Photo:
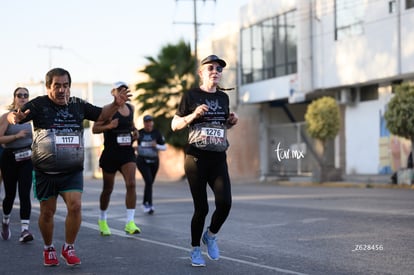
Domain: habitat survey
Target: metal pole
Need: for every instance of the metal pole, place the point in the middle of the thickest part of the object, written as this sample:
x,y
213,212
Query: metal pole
x,y
195,30
195,42
195,23
50,48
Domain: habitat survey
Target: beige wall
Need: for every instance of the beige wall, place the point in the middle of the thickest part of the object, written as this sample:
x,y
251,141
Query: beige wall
x,y
171,164
243,154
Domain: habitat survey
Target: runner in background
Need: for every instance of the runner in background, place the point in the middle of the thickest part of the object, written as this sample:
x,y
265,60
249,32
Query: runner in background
x,y
150,141
118,155
16,167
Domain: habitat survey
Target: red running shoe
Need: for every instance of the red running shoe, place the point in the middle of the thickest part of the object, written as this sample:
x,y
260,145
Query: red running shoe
x,y
69,256
50,257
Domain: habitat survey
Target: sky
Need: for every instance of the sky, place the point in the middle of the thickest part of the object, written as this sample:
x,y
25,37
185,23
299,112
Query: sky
x,y
98,40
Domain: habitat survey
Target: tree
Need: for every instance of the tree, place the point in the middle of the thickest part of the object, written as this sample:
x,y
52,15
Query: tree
x,y
169,76
399,114
322,123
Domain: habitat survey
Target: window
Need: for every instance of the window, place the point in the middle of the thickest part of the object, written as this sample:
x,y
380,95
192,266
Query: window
x,y
348,18
280,47
246,57
291,46
392,6
269,29
409,4
269,48
369,92
257,52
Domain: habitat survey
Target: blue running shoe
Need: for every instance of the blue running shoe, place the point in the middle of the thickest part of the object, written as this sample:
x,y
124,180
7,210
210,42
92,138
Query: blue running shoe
x,y
212,248
196,257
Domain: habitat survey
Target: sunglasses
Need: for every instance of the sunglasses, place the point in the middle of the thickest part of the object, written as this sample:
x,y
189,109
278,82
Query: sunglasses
x,y
210,68
22,95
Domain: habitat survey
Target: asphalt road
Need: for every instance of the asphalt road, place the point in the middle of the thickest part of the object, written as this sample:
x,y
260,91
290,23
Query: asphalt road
x,y
271,229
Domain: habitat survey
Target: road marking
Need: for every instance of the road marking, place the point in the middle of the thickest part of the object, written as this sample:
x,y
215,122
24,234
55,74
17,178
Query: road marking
x,y
313,220
269,225
122,234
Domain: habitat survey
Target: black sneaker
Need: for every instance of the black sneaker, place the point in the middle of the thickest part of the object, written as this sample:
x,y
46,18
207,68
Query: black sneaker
x,y
26,236
5,231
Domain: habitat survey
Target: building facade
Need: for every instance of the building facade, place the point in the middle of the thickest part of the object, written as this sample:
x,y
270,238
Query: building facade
x,y
292,52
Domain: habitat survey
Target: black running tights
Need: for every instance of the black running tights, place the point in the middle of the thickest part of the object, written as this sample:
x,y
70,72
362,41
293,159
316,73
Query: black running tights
x,y
17,175
214,172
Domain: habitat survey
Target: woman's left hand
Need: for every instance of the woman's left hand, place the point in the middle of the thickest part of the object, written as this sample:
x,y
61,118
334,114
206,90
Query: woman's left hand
x,y
233,119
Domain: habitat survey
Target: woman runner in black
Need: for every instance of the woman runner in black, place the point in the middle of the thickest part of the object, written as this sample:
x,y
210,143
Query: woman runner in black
x,y
205,110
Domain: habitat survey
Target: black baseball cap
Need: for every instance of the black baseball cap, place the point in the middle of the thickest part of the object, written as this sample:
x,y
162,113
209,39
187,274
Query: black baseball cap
x,y
213,58
147,118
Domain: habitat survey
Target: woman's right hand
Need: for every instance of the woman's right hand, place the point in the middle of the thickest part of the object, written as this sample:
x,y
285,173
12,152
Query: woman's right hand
x,y
200,110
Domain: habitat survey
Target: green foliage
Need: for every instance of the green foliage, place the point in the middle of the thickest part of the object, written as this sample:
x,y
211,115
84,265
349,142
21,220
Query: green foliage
x,y
170,75
323,119
399,115
177,139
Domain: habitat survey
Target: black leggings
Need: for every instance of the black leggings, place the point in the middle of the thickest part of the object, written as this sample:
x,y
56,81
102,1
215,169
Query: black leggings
x,y
148,171
199,172
17,175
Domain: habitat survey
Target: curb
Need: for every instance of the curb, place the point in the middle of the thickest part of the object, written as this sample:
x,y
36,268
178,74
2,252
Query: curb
x,y
342,184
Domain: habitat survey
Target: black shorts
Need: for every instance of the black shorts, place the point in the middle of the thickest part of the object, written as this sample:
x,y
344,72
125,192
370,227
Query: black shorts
x,y
51,185
112,161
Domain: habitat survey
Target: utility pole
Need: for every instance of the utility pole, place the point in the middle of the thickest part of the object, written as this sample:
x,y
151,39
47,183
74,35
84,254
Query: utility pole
x,y
50,48
196,25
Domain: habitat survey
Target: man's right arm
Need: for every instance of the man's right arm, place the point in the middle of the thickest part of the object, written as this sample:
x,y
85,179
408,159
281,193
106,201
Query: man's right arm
x,y
110,109
14,117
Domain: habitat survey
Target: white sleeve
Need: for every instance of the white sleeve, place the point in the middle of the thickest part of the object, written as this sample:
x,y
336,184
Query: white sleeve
x,y
161,147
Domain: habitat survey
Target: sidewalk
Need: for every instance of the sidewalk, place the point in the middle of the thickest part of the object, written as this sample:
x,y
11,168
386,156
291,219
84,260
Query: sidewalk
x,y
356,181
